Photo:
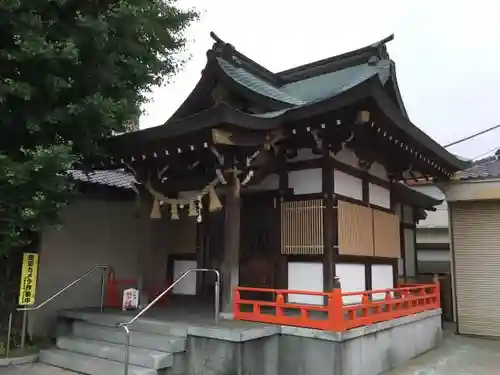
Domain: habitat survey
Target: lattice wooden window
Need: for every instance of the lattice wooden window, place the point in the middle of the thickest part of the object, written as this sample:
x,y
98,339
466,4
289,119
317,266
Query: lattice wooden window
x,y
386,234
302,227
355,229
367,232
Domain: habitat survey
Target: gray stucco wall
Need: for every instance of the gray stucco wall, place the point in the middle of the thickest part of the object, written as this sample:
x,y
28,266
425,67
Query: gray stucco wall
x,y
93,232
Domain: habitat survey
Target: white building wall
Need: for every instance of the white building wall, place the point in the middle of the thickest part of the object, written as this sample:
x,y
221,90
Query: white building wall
x,y
433,256
432,235
380,196
305,276
352,279
306,181
438,218
382,278
347,185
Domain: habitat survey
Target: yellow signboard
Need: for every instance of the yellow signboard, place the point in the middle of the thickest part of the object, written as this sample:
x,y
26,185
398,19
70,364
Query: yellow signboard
x,y
27,290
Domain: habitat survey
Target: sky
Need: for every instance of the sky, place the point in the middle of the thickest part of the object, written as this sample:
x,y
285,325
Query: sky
x,y
446,54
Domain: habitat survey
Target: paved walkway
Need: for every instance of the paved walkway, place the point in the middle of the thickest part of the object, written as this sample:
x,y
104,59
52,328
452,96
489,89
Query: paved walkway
x,y
457,356
34,369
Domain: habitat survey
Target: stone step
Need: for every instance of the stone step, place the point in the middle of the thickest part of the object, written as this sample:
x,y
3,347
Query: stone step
x,y
142,324
163,343
89,365
116,352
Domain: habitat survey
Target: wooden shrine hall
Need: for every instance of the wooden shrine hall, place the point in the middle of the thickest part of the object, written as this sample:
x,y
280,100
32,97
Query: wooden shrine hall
x,y
286,180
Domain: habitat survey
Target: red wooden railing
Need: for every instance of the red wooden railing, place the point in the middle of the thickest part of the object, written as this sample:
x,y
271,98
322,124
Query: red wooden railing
x,y
374,306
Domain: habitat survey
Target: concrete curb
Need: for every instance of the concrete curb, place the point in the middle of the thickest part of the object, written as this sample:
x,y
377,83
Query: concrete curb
x,y
4,362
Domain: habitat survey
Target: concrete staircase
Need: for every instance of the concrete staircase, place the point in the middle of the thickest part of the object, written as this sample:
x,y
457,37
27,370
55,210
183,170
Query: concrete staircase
x,y
97,348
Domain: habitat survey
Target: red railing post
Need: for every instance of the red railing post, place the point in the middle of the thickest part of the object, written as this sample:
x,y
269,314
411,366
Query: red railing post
x,y
236,305
336,308
280,301
438,291
365,303
388,298
112,293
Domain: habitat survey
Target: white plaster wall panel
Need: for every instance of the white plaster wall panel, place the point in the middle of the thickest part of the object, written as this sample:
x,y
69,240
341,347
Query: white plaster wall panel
x,y
352,279
348,157
382,278
378,170
271,182
380,196
187,286
305,276
306,181
345,184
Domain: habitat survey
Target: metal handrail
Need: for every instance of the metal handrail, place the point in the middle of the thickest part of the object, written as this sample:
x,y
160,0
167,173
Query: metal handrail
x,y
160,296
54,296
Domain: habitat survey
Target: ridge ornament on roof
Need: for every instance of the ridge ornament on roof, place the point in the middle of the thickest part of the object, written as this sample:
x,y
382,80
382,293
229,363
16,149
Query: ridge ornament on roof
x,y
316,98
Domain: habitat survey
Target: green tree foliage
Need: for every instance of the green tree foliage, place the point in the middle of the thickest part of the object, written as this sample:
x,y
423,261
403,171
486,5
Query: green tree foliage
x,y
71,73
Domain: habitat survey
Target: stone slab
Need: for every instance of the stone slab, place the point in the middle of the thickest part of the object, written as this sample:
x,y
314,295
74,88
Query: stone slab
x,y
4,362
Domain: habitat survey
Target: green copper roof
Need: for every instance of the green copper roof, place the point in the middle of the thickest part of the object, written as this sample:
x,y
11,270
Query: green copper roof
x,y
328,85
309,90
254,83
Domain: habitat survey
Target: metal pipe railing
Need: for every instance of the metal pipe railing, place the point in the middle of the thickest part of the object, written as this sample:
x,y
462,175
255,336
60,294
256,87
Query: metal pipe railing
x,y
25,310
159,297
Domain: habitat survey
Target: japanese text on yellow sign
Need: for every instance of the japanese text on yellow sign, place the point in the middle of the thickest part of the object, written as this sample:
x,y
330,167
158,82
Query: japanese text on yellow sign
x,y
28,279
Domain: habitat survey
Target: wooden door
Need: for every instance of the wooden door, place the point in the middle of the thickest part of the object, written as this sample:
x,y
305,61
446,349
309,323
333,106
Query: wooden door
x,y
259,242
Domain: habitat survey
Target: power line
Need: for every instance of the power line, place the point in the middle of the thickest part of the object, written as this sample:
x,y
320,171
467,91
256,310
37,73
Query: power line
x,y
472,136
485,153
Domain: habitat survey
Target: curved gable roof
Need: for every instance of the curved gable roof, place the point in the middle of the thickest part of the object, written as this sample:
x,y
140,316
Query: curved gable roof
x,y
298,86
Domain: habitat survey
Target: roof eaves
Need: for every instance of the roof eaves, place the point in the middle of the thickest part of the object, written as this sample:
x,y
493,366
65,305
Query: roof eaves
x,y
222,113
397,92
409,195
391,111
204,87
112,178
334,63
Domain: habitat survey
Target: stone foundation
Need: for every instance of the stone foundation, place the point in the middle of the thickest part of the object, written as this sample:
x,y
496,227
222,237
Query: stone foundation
x,y
298,351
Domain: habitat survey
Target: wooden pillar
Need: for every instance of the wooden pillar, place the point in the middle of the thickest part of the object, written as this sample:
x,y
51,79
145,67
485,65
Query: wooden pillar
x,y
281,264
145,261
230,263
330,226
365,191
200,258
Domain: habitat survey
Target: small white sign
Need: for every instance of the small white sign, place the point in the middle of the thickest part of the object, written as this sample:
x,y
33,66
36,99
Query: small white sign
x,y
130,299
